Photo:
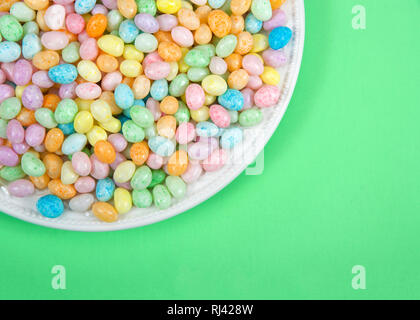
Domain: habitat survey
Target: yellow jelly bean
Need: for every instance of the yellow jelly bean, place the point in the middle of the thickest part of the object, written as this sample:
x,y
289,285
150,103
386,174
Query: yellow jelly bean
x,y
201,114
214,85
182,66
83,104
101,110
131,53
141,87
122,200
270,76
113,125
124,171
19,91
168,6
174,71
128,8
96,134
68,176
209,99
186,5
89,71
111,44
260,42
83,122
131,68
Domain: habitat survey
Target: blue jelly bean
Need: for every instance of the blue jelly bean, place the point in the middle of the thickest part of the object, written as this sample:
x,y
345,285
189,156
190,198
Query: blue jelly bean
x,y
124,97
67,128
31,45
105,189
74,143
279,37
232,99
128,31
231,137
84,6
139,102
64,73
159,89
9,51
252,24
50,206
161,146
206,129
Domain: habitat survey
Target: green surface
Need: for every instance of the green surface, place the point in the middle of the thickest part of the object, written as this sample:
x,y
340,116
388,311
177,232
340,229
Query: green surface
x,y
340,188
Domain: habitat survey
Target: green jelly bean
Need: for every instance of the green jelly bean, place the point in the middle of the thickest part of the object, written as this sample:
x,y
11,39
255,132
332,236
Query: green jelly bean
x,y
132,132
45,117
30,27
12,173
31,165
197,58
197,74
142,198
10,28
209,49
146,6
66,111
233,116
178,85
142,116
176,186
70,53
261,9
10,108
158,176
183,113
250,117
141,178
3,129
226,45
146,42
151,131
114,18
22,12
161,197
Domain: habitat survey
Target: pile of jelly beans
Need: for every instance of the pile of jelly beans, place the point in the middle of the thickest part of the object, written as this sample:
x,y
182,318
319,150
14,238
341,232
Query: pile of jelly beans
x,y
114,103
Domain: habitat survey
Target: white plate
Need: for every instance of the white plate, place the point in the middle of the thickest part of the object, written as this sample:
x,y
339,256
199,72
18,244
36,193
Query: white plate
x,y
209,183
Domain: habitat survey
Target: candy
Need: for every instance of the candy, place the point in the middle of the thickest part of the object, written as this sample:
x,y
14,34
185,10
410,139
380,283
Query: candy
x,y
105,189
9,51
81,163
81,203
146,42
21,188
74,143
63,73
250,117
279,37
31,165
142,198
122,200
104,211
261,9
8,157
10,28
267,96
50,206
53,164
31,45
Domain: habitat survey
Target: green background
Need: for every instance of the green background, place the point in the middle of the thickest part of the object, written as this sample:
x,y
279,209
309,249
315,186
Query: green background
x,y
340,188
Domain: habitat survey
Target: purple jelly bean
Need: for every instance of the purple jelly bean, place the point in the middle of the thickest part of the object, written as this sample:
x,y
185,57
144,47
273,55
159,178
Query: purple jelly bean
x,y
274,58
15,132
22,72
21,188
6,91
278,19
20,148
146,23
8,157
167,22
68,91
41,79
35,135
248,95
32,97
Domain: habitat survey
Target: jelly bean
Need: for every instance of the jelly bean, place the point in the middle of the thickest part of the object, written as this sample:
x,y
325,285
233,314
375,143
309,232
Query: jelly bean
x,y
254,82
157,70
201,114
267,96
168,6
68,91
231,137
124,171
142,198
89,71
10,108
22,12
248,95
54,40
74,143
89,49
279,37
159,89
9,51
54,140
178,86
68,176
188,19
141,178
250,117
169,51
45,117
220,116
252,24
141,116
96,25
214,85
275,4
88,91
161,146
12,173
81,202
30,27
10,28
182,36
206,129
31,45
21,188
70,53
104,211
55,17
132,132
185,133
128,31
226,45
118,142
99,170
274,58
139,153
75,23
197,58
167,22
195,96
66,111
192,173
261,9
277,20
32,97
32,166
53,164
81,163
203,34
178,163
111,44
63,73
50,206
218,66
252,64
35,135
105,189
8,157
146,42
84,6
122,200
239,7
238,79
270,76
20,148
215,161
169,105
161,197
176,186
104,151
219,23
124,97
201,150
166,126
61,190
146,23
232,99
197,74
238,24
154,161
158,176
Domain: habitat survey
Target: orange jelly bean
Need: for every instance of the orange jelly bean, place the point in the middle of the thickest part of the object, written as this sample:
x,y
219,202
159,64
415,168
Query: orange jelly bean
x,y
238,24
220,23
51,101
53,164
139,152
45,60
234,62
40,182
107,63
104,211
203,34
128,8
203,13
169,105
166,126
105,151
245,43
96,25
53,140
239,7
178,163
163,36
238,79
188,19
61,190
41,21
26,117
169,51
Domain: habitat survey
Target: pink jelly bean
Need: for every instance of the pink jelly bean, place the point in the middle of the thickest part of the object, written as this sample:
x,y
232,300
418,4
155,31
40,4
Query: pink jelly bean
x,y
150,58
267,96
55,17
35,135
85,184
42,80
8,157
32,97
185,133
154,161
215,161
252,64
67,91
83,36
21,188
153,106
195,96
75,23
110,4
278,19
6,91
99,170
146,23
254,82
119,158
157,70
274,58
20,148
22,72
248,95
89,49
217,65
199,150
2,77
81,163
220,116
54,40
182,36
99,9
212,142
7,68
88,91
192,173
15,132
111,80
118,142
167,22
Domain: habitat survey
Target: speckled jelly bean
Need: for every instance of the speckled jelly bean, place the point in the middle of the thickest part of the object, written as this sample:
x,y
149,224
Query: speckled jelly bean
x,y
74,143
50,206
232,99
105,189
9,51
21,188
63,74
267,96
279,37
32,166
81,202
